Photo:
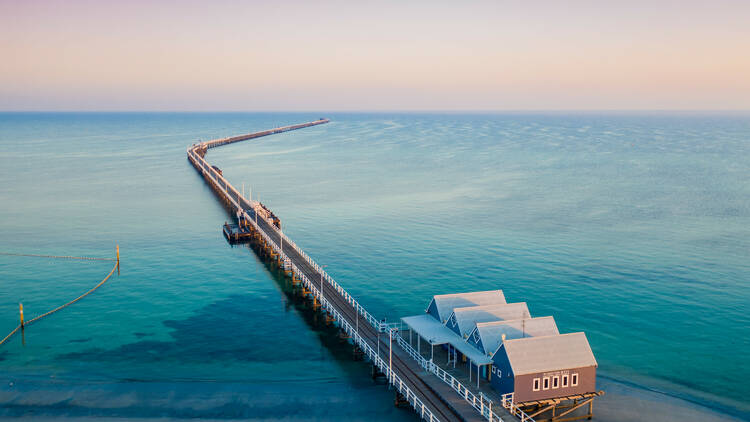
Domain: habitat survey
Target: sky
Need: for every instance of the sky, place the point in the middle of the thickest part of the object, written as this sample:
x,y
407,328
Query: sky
x,y
374,55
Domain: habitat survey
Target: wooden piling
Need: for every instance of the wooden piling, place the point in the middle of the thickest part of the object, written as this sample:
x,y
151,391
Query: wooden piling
x,y
358,353
399,400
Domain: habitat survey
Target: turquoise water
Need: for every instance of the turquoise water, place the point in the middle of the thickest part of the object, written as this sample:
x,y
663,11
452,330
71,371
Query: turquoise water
x,y
634,228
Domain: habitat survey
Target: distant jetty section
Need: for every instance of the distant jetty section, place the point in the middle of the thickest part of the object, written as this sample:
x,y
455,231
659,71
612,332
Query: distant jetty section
x,y
224,141
432,391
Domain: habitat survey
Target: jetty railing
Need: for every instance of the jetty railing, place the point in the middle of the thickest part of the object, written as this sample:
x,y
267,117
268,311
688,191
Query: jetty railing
x,y
372,354
480,403
509,403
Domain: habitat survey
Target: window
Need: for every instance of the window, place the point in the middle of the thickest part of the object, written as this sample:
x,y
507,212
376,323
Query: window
x,y
545,383
556,381
536,384
574,380
565,380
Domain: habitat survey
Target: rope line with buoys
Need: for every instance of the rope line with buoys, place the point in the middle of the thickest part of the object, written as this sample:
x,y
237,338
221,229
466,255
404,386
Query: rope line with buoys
x,y
33,320
10,335
57,256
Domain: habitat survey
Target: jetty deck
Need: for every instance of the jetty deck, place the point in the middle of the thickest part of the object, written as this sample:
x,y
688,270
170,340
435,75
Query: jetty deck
x,y
433,393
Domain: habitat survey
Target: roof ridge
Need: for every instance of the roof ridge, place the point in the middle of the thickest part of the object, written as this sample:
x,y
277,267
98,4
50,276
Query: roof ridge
x,y
469,308
545,337
466,293
508,321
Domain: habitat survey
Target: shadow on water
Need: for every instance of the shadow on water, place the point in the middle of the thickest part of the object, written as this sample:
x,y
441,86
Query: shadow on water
x,y
142,335
233,329
328,333
226,330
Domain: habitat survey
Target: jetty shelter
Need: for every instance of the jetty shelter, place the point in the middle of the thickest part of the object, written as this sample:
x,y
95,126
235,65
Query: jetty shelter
x,y
538,368
488,336
526,360
461,312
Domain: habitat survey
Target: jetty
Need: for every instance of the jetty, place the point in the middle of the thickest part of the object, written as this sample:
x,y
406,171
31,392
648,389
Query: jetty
x,y
431,390
434,398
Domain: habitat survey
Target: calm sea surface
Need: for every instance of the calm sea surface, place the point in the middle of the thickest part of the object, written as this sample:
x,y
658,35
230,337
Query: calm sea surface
x,y
634,228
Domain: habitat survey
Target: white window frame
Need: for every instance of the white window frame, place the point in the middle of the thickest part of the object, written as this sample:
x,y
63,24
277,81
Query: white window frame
x,y
536,384
565,380
556,381
545,383
574,380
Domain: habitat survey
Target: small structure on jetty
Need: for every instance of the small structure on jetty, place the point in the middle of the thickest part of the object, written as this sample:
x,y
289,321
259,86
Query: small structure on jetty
x,y
537,372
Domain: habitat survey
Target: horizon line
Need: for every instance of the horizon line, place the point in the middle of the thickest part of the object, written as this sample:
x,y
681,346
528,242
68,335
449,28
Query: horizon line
x,y
405,111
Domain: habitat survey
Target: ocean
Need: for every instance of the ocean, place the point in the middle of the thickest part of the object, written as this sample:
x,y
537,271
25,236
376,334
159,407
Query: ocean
x,y
632,227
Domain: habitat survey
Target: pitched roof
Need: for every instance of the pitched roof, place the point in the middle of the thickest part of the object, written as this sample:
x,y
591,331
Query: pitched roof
x,y
463,320
531,355
487,336
445,304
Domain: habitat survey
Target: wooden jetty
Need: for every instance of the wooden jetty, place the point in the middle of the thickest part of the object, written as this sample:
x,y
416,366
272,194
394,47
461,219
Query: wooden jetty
x,y
433,393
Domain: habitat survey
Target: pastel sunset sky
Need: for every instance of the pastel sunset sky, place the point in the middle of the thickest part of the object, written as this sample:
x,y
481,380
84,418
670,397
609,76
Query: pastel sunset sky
x,y
374,55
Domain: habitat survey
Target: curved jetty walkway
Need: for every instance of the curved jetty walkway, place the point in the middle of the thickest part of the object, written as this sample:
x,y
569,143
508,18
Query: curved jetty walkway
x,y
434,394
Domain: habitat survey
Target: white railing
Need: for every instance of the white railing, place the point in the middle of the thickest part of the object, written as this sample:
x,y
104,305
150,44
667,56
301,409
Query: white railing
x,y
481,403
508,403
382,365
235,197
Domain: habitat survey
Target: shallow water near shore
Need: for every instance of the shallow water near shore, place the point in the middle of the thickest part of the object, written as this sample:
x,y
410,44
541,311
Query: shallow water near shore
x,y
634,228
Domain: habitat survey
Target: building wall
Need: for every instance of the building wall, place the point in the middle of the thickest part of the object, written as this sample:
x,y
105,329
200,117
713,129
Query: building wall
x,y
524,384
476,340
478,344
502,378
432,310
452,323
